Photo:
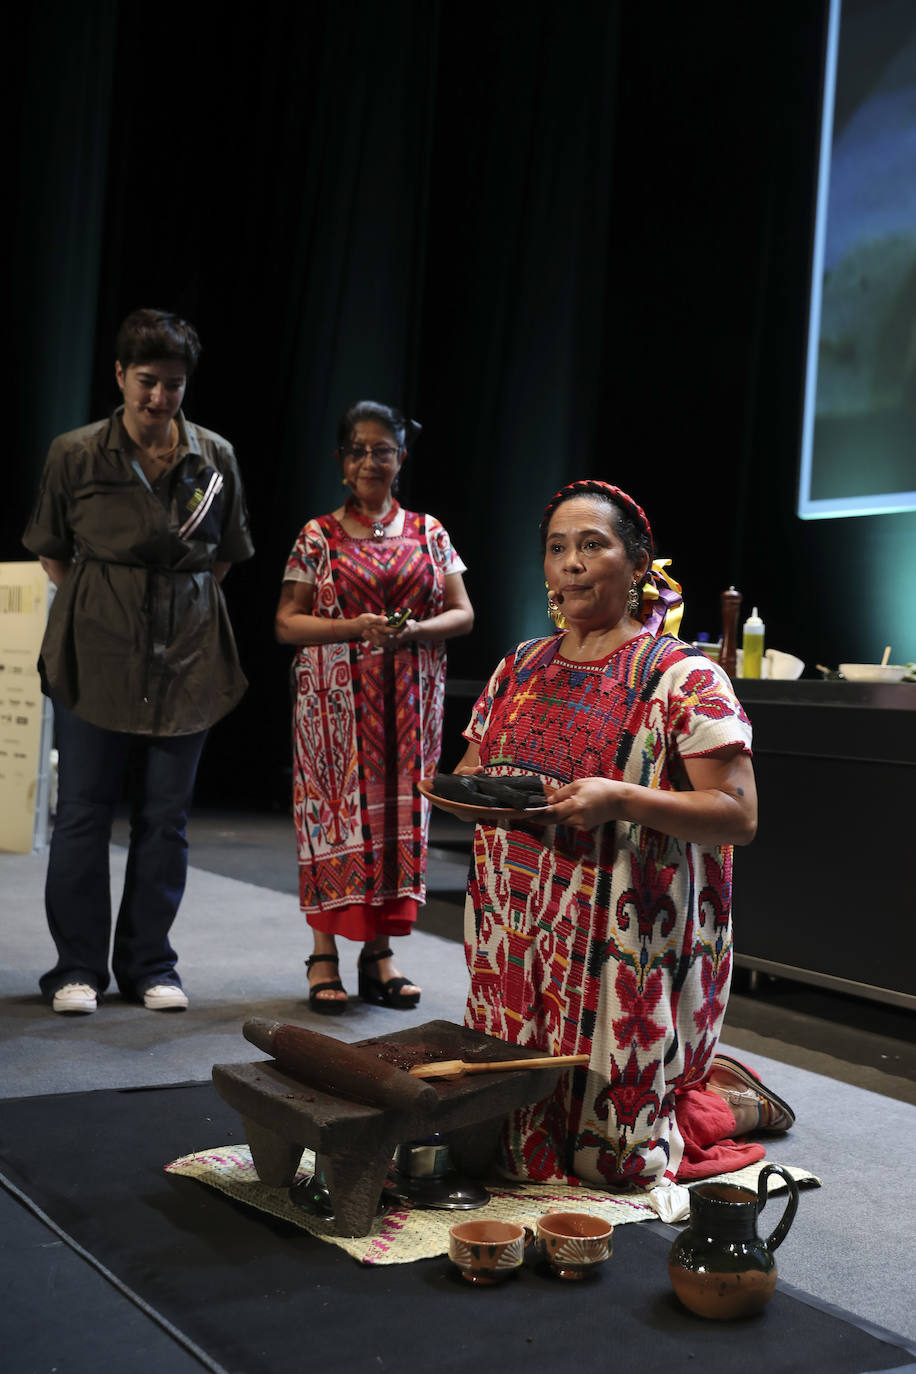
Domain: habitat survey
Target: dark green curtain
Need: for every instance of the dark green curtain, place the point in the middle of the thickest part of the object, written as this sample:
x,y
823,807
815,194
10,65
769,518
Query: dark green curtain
x,y
515,312
281,204
569,241
58,88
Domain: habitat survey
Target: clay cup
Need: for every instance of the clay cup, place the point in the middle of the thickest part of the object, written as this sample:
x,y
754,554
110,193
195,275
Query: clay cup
x,y
573,1243
487,1252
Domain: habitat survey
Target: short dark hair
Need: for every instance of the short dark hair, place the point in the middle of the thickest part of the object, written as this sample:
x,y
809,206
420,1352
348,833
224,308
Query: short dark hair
x,y
402,431
635,532
147,335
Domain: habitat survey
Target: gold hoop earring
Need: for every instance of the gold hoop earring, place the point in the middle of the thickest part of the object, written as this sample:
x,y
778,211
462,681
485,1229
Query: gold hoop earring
x,y
553,610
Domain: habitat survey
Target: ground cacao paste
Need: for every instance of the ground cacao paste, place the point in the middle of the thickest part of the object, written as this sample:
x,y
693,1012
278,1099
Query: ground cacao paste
x,y
407,1057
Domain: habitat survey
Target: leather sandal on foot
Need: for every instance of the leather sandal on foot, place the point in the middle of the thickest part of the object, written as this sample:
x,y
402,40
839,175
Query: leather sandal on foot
x,y
734,1082
380,994
326,1006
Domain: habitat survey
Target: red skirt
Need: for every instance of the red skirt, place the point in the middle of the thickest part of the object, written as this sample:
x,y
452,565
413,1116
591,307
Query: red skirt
x,y
362,922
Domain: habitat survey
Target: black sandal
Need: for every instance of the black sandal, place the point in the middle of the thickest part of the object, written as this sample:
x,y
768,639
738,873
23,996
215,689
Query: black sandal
x,y
381,994
326,1006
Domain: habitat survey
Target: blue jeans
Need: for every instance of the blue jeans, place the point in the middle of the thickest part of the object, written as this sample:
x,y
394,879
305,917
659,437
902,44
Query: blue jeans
x,y
160,773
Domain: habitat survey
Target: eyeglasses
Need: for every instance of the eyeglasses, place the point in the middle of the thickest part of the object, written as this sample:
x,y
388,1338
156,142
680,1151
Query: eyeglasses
x,y
382,453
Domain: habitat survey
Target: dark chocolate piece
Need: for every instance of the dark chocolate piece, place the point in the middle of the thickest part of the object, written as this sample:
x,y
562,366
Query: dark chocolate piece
x,y
515,792
458,788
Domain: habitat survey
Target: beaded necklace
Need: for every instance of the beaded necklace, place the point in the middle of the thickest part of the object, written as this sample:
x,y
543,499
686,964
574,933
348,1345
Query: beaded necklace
x,y
375,524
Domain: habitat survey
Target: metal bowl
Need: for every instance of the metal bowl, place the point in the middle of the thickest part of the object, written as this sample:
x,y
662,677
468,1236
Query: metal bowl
x,y
423,1159
421,1173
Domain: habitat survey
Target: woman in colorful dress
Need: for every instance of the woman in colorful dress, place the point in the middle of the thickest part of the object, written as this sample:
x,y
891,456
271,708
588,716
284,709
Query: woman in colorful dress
x,y
370,594
605,928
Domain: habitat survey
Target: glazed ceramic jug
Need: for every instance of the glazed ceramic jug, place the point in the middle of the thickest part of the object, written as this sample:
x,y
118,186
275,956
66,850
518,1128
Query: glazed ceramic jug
x,y
719,1267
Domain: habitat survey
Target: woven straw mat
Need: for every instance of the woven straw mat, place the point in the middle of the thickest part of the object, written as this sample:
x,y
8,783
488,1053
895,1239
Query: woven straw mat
x,y
407,1233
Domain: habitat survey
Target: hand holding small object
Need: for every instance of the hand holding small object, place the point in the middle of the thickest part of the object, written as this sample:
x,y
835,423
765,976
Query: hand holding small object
x,y
400,627
372,629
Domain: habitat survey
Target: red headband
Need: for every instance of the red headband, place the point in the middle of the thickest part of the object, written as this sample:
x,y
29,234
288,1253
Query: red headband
x,y
590,486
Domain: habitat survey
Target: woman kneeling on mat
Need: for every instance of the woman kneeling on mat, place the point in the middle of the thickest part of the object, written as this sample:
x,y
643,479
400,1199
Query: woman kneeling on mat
x,y
604,927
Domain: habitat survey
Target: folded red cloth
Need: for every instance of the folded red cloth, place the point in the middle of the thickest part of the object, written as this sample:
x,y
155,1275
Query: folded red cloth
x,y
705,1122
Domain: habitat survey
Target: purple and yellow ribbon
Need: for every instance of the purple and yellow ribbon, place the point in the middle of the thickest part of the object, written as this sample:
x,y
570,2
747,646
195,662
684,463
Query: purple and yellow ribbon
x,y
662,602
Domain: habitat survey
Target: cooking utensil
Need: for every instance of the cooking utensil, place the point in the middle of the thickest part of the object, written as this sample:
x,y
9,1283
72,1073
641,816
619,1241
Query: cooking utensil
x,y
450,1069
334,1067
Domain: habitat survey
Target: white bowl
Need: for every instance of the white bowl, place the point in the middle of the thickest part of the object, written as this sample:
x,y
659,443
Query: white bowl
x,y
784,666
873,672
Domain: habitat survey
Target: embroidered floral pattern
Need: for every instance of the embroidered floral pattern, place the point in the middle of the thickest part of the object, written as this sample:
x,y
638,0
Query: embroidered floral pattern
x,y
616,942
367,724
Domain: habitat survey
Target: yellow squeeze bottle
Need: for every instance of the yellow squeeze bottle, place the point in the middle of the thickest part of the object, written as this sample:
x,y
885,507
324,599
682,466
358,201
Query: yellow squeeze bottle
x,y
752,645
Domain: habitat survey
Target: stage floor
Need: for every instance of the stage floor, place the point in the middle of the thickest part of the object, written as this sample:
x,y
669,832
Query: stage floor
x,y
848,1073
246,1293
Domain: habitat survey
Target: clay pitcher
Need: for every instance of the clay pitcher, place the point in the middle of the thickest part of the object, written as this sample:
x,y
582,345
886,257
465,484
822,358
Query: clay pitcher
x,y
719,1267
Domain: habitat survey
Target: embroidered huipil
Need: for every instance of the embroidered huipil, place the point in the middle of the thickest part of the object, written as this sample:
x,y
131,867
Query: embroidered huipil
x,y
615,942
367,722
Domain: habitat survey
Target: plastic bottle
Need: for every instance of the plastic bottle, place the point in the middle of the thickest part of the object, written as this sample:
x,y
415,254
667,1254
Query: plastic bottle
x,y
752,644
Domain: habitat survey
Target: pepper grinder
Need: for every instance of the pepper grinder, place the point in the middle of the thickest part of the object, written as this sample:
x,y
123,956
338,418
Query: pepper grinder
x,y
728,655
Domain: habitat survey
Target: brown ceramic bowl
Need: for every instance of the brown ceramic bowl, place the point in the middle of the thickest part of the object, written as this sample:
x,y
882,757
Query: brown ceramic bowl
x,y
487,1251
573,1243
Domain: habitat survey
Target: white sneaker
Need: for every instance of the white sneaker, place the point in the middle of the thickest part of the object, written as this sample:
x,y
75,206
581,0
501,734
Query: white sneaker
x,y
165,997
79,998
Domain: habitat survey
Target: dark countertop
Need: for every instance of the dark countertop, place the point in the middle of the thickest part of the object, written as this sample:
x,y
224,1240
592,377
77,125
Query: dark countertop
x,y
872,722
842,720
885,696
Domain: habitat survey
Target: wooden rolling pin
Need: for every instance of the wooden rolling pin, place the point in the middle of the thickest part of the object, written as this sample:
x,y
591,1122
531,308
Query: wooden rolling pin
x,y
334,1067
458,1068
